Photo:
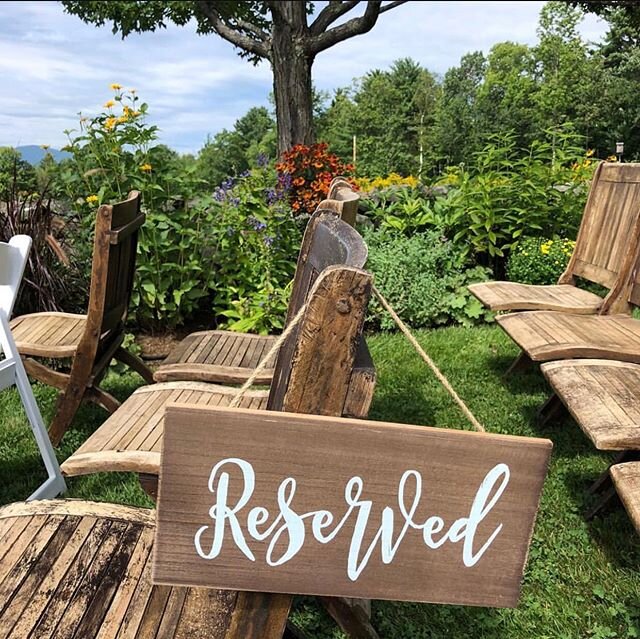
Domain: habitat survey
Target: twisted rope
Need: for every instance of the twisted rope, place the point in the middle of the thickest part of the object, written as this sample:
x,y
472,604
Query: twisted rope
x,y
436,371
401,325
265,360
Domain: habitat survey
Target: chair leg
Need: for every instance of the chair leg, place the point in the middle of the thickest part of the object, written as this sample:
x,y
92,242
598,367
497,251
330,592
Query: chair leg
x,y
552,409
66,408
102,398
351,618
607,499
135,363
520,364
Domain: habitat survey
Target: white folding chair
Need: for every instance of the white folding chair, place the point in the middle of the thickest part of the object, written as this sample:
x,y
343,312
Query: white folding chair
x,y
13,259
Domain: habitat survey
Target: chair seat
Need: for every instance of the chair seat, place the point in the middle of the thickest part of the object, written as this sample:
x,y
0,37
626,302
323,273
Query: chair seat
x,y
626,479
217,357
512,296
603,397
48,334
81,569
547,335
131,439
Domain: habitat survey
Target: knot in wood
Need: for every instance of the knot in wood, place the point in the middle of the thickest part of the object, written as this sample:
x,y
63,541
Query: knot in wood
x,y
343,306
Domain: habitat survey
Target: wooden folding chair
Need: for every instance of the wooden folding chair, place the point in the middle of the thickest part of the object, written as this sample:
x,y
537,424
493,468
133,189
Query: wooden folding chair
x,y
85,569
94,339
226,357
13,259
343,199
608,235
602,397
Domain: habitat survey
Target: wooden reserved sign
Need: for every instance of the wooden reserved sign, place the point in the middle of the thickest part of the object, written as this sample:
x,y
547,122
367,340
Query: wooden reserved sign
x,y
301,504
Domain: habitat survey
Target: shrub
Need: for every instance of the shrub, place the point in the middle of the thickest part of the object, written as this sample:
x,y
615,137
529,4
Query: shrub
x,y
254,242
424,277
506,196
379,183
111,155
538,260
306,172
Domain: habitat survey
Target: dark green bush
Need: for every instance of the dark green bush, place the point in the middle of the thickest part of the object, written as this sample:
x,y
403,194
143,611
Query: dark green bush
x,y
538,260
424,277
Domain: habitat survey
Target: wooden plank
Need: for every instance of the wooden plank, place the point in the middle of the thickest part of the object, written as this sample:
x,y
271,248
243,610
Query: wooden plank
x,y
626,479
326,457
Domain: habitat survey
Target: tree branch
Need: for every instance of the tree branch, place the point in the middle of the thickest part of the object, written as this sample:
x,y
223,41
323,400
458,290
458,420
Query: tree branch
x,y
330,14
392,5
353,27
244,42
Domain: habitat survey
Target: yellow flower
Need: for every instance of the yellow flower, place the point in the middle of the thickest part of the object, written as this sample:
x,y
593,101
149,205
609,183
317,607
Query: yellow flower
x,y
108,104
145,167
110,123
590,152
612,158
123,118
91,199
115,87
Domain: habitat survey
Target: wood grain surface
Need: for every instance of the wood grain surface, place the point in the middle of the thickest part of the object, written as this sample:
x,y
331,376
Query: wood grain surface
x,y
439,556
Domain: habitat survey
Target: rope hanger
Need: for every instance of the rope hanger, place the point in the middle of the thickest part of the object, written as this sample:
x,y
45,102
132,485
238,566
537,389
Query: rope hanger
x,y
406,332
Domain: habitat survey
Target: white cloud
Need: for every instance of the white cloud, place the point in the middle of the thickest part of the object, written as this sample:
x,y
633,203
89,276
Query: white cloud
x,y
52,65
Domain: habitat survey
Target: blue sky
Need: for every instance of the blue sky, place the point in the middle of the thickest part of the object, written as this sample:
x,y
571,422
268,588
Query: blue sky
x,y
52,65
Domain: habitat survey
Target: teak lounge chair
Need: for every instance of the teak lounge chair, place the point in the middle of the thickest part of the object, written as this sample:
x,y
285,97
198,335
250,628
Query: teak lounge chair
x,y
226,357
94,339
85,568
604,399
608,234
13,259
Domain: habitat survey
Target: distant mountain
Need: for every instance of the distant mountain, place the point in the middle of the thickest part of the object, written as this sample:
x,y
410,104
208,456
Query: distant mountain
x,y
33,154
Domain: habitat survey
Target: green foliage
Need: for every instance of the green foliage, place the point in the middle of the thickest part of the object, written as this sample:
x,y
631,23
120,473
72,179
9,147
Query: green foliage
x,y
16,175
507,195
424,277
537,260
254,242
233,152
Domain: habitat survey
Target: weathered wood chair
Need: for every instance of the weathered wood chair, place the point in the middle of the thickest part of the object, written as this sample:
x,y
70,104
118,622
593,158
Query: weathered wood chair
x,y
131,438
85,569
343,199
626,480
602,397
226,357
608,234
13,259
94,339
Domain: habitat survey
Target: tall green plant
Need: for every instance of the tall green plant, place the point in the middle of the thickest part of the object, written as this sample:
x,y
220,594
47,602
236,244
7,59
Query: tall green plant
x,y
507,194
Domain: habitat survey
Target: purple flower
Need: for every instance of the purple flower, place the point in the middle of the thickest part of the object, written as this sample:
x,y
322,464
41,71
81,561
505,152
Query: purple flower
x,y
273,196
234,201
227,184
268,240
219,195
256,223
245,174
284,181
262,160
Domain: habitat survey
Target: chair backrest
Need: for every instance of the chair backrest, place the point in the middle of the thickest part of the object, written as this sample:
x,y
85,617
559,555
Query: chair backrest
x,y
335,249
611,215
342,199
13,260
327,240
113,268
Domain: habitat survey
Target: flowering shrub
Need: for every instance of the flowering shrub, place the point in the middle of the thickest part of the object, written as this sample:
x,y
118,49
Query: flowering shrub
x,y
254,242
393,179
306,172
111,154
539,260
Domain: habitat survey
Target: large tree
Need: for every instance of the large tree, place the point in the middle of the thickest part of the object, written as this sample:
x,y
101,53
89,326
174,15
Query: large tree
x,y
277,30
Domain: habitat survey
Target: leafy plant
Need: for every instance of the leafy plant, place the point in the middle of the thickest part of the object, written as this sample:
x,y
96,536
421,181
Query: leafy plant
x,y
506,195
49,275
424,277
538,260
306,172
253,240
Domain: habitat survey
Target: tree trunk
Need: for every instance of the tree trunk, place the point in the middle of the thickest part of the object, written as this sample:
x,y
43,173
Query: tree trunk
x,y
292,76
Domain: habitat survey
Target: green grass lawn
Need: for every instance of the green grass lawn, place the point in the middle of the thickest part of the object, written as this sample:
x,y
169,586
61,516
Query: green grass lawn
x,y
582,579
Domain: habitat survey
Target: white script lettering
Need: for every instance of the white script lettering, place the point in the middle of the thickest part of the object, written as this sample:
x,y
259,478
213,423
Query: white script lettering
x,y
287,531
